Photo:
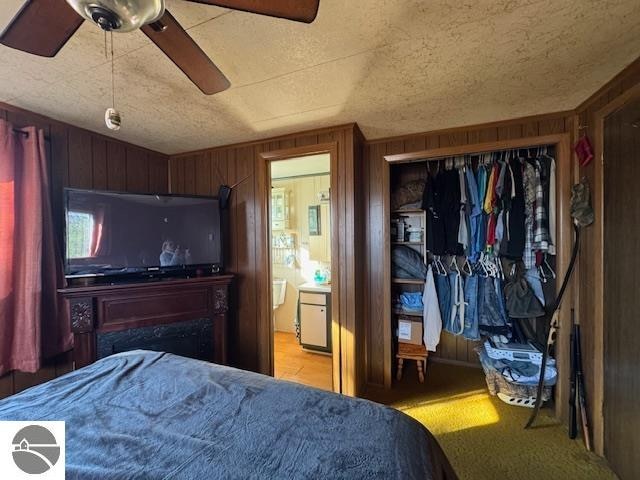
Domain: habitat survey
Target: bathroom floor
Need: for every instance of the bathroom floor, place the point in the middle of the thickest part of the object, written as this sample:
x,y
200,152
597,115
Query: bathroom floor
x,y
293,363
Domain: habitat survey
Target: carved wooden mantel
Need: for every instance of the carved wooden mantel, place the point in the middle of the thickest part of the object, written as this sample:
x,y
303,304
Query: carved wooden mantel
x,y
115,307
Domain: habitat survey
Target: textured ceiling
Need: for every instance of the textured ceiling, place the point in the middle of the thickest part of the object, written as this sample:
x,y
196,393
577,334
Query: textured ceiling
x,y
393,66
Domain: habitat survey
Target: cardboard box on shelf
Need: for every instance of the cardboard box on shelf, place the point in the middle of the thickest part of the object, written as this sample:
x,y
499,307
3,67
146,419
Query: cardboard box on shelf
x,y
410,330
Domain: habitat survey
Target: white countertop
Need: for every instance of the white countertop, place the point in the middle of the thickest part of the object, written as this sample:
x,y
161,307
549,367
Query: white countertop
x,y
314,287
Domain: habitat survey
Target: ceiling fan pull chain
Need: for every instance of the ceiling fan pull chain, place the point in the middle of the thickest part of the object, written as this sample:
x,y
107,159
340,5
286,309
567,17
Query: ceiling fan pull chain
x,y
113,81
112,117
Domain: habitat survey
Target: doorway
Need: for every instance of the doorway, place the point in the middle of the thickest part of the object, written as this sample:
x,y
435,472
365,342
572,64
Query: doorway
x,y
621,281
300,269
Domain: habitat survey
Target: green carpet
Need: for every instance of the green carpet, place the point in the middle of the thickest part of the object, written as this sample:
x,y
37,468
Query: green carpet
x,y
483,437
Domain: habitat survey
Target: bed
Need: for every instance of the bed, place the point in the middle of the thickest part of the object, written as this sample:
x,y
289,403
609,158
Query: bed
x,y
153,415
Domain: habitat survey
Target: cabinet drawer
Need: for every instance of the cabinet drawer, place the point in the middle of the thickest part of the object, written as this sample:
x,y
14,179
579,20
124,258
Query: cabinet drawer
x,y
118,312
313,298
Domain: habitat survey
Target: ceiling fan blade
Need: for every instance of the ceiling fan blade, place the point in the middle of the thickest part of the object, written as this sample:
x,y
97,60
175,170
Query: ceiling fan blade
x,y
176,43
41,27
298,10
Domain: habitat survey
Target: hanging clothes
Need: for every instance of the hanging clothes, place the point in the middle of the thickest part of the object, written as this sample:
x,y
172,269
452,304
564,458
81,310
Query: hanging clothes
x,y
475,214
471,331
443,290
552,205
481,235
492,316
541,230
463,230
450,210
516,221
455,322
432,321
529,185
431,201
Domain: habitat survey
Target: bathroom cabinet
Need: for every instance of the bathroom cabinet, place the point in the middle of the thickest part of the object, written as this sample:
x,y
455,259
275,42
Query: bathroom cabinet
x,y
314,307
279,209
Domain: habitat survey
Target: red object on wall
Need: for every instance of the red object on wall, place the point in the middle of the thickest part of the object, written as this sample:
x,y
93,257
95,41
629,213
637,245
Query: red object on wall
x,y
584,150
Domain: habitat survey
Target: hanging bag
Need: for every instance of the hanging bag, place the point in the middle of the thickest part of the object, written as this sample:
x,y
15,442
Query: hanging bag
x,y
521,302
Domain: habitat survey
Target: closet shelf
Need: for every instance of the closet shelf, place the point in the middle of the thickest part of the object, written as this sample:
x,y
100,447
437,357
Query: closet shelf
x,y
406,243
410,212
408,281
408,314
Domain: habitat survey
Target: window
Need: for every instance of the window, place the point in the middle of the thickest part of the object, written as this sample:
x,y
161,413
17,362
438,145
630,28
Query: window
x,y
79,234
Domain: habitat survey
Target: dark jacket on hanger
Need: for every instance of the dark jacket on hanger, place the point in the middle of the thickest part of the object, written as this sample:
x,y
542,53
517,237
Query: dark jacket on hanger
x,y
516,225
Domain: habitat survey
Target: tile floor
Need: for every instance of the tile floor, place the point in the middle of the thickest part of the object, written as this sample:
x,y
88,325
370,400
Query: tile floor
x,y
293,363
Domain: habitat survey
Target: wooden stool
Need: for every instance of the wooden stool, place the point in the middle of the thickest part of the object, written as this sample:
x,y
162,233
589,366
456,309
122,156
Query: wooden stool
x,y
408,351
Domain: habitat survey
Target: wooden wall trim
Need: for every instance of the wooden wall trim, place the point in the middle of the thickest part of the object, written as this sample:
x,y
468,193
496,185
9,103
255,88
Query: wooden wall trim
x,y
463,129
278,138
474,148
627,77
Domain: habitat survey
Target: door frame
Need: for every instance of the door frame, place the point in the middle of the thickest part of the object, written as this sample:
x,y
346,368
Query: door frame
x,y
562,145
265,328
599,331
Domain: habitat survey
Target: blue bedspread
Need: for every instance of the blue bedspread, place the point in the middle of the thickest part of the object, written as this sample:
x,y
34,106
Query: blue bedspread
x,y
149,415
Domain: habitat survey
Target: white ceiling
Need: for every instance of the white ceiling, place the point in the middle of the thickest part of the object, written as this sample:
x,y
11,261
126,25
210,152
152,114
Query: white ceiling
x,y
393,66
302,166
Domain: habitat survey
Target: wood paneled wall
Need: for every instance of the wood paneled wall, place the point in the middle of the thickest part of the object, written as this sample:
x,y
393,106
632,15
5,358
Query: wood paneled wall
x,y
83,159
378,351
202,172
589,299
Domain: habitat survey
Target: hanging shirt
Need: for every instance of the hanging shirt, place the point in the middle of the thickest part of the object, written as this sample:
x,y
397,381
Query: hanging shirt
x,y
501,176
529,184
432,321
481,236
488,198
516,229
552,207
540,232
475,214
463,232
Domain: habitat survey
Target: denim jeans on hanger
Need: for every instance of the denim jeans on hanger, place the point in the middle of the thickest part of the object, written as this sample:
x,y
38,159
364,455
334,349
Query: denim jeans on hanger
x,y
533,279
492,316
471,331
454,323
444,297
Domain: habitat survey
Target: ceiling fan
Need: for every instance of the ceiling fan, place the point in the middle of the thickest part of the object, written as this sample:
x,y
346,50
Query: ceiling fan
x,y
42,27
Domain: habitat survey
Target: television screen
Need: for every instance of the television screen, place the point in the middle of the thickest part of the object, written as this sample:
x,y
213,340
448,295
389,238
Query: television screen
x,y
117,233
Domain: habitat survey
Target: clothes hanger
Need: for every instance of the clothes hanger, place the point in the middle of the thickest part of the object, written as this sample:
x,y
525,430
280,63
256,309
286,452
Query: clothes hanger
x,y
484,272
454,263
545,263
466,267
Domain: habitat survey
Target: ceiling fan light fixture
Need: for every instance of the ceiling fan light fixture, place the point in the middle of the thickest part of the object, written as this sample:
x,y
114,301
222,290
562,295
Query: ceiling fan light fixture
x,y
119,15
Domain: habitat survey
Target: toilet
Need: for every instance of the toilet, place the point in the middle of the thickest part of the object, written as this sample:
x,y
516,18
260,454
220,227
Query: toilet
x,y
279,290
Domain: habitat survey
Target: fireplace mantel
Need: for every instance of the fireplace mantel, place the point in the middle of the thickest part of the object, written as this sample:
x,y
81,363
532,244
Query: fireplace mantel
x,y
104,308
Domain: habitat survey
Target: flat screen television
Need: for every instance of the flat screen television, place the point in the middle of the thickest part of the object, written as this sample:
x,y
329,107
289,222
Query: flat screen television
x,y
109,233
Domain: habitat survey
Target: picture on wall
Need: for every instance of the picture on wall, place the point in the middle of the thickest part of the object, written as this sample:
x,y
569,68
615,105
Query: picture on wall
x,y
314,220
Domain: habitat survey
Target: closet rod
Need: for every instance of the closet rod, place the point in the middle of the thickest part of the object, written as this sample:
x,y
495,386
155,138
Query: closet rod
x,y
475,154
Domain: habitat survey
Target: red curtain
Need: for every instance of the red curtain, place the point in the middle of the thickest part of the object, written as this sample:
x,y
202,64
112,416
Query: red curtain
x,y
33,325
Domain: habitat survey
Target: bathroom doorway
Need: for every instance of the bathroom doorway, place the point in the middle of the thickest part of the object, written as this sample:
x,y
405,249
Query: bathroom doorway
x,y
300,231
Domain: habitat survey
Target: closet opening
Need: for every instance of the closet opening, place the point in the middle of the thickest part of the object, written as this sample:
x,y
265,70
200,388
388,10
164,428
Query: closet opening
x,y
477,240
